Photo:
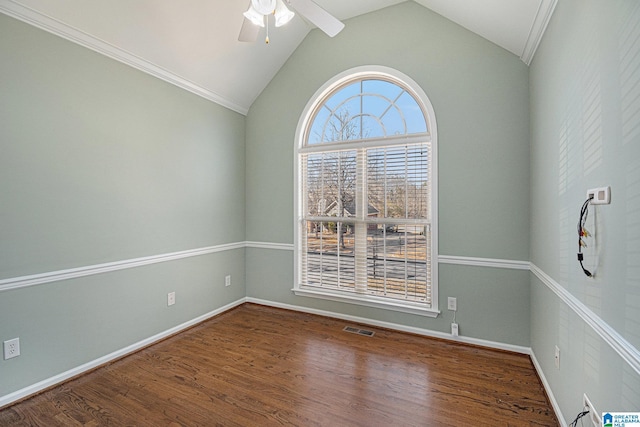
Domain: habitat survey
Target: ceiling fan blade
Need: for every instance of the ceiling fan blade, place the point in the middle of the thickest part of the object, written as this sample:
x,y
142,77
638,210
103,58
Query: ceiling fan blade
x,y
317,16
248,32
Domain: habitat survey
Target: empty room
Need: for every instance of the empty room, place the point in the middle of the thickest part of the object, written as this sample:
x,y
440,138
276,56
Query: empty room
x,y
320,212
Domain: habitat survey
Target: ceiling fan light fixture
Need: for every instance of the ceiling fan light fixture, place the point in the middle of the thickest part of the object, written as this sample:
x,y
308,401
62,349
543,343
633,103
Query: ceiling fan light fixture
x,y
254,16
282,14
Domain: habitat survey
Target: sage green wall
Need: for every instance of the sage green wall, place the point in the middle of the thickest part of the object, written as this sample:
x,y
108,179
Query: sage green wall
x,y
480,96
585,121
100,163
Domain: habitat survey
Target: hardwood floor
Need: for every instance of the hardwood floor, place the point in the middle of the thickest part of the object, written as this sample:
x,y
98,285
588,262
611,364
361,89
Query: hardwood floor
x,y
260,366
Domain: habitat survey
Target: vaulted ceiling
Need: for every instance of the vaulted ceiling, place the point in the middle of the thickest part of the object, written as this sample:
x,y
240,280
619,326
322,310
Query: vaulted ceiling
x,y
194,44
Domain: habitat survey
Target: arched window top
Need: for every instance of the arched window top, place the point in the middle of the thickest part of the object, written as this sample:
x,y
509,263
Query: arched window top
x,y
366,107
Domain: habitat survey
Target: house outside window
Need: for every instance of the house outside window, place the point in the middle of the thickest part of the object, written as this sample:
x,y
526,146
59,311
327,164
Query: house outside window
x,y
366,216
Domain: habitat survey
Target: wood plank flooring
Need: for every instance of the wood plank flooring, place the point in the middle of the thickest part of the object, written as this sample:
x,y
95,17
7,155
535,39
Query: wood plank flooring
x,y
260,366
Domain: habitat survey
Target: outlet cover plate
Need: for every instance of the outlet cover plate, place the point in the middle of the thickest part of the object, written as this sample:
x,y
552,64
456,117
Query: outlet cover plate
x,y
171,298
599,196
454,329
452,304
11,348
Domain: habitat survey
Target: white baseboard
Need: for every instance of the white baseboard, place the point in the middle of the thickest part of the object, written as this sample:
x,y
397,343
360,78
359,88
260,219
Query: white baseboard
x,y
547,388
395,326
64,376
428,333
57,379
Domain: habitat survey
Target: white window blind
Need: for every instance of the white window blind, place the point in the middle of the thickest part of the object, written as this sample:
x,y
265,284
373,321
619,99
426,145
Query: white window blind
x,y
366,227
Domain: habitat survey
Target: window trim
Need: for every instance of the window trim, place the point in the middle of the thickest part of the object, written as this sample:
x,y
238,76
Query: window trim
x,y
304,125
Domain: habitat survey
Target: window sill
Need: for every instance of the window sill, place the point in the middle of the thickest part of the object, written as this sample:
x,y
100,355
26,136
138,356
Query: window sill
x,y
368,301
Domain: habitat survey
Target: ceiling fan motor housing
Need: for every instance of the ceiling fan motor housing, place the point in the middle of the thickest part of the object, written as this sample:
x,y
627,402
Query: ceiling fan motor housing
x,y
264,7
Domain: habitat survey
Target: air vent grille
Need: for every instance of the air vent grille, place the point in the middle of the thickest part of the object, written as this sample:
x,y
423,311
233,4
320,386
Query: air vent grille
x,y
358,331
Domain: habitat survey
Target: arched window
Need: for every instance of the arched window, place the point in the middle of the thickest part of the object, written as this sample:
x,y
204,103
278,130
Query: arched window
x,y
366,164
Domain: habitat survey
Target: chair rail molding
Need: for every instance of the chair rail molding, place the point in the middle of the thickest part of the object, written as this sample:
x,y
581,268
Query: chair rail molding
x,y
484,262
620,345
72,273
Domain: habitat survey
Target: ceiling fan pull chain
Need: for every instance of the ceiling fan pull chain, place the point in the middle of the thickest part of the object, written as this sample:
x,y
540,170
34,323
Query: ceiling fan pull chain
x,y
266,17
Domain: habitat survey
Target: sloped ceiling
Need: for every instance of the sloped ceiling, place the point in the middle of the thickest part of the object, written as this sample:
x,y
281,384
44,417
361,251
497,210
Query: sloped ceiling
x,y
195,44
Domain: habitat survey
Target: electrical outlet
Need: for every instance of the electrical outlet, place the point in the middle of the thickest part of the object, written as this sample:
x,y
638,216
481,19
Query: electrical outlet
x,y
227,280
11,348
454,329
171,298
594,415
452,304
557,357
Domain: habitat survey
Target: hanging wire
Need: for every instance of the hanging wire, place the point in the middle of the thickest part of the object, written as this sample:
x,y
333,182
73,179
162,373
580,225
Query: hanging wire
x,y
574,423
583,234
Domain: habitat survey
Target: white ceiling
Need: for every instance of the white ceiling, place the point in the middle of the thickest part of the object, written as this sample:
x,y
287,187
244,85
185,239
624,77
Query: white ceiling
x,y
196,47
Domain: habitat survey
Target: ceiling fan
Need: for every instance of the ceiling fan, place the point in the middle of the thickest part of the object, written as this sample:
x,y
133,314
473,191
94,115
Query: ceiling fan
x,y
254,17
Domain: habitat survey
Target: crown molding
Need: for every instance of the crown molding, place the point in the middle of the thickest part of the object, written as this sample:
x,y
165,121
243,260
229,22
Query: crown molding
x,y
538,27
37,19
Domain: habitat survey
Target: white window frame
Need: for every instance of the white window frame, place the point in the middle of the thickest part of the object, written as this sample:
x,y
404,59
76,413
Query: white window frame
x,y
304,123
